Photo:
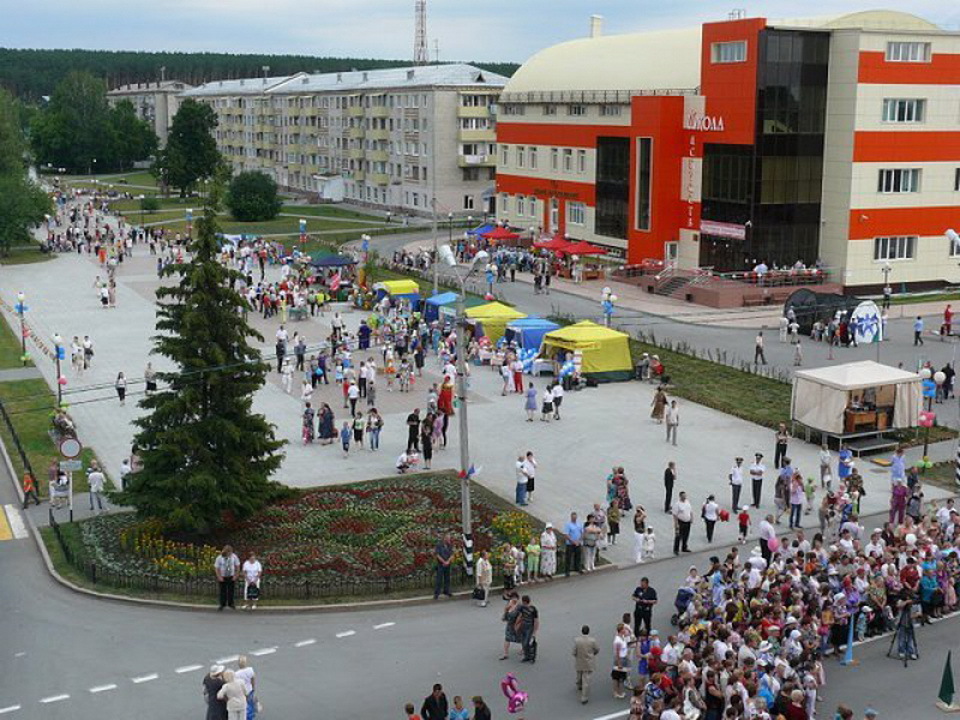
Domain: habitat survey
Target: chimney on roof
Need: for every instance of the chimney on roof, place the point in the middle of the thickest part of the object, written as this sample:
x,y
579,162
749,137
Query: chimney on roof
x,y
596,26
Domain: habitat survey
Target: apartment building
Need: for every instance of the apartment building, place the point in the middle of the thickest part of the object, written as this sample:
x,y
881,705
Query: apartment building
x,y
393,139
155,102
833,140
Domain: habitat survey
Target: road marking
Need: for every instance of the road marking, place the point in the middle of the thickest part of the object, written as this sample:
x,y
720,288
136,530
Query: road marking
x,y
54,698
264,651
226,660
611,716
15,519
304,643
102,688
144,678
5,532
381,626
20,654
346,633
187,668
9,709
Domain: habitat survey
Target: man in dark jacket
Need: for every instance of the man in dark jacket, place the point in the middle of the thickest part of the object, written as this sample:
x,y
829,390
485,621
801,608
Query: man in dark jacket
x,y
480,709
435,705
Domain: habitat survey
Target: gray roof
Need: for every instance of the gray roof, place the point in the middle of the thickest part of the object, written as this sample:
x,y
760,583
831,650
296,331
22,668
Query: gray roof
x,y
151,87
455,75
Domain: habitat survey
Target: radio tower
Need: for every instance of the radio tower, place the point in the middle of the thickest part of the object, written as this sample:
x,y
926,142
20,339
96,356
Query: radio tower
x,y
420,53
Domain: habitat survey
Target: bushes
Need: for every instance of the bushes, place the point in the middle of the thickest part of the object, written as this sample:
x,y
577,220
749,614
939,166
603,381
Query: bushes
x,y
253,197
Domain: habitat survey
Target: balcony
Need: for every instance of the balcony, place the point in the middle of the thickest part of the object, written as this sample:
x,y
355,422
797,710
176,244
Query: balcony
x,y
355,111
379,178
482,111
355,153
358,175
377,155
378,111
356,133
476,161
378,134
489,135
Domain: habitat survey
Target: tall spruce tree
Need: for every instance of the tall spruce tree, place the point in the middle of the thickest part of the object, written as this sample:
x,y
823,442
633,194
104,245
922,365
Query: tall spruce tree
x,y
207,457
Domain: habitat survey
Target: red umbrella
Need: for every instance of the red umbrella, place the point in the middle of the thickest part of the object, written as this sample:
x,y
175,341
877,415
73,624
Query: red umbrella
x,y
557,244
501,233
582,248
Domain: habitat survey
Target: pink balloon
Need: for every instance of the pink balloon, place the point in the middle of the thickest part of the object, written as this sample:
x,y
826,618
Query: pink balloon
x,y
516,698
773,544
62,380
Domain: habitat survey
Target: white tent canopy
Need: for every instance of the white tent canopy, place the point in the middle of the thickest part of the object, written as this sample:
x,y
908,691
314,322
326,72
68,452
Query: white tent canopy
x,y
823,396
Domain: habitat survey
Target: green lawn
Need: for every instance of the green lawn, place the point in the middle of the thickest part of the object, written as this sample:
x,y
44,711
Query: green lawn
x,y
118,180
25,255
133,205
329,211
278,226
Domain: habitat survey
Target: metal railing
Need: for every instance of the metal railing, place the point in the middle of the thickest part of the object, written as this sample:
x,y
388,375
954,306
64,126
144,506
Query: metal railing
x,y
15,438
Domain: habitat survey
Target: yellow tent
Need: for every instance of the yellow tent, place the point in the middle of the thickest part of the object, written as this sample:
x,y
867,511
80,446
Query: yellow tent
x,y
494,318
398,287
605,352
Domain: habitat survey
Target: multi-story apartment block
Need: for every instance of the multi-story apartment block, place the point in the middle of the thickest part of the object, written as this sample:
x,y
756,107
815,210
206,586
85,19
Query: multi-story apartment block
x,y
833,140
394,139
155,102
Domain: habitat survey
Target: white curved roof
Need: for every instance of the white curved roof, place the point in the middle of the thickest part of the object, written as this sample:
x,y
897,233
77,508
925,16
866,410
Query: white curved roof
x,y
866,20
662,60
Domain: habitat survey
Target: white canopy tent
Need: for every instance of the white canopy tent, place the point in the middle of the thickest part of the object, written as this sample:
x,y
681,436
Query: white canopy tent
x,y
823,396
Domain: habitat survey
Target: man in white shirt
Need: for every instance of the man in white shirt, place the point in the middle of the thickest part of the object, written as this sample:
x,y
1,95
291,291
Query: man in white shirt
x,y
682,519
558,400
96,480
282,335
672,421
530,472
521,493
757,470
736,483
765,533
876,546
943,514
125,470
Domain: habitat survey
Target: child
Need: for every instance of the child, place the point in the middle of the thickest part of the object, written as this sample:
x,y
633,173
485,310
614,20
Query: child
x,y
411,715
345,438
743,520
649,544
810,491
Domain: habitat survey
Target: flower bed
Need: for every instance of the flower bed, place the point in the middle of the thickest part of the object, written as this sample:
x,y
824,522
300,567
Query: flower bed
x,y
383,530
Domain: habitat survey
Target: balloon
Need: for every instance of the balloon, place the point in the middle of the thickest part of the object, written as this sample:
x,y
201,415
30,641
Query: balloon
x,y
488,297
911,539
61,380
516,698
773,544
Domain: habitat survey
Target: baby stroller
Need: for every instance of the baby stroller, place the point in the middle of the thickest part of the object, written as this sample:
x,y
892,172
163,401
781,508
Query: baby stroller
x,y
684,596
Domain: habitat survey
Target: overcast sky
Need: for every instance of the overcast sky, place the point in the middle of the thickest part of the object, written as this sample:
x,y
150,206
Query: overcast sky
x,y
506,30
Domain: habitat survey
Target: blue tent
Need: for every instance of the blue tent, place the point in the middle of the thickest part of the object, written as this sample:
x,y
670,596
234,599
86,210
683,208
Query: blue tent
x,y
431,311
481,230
528,332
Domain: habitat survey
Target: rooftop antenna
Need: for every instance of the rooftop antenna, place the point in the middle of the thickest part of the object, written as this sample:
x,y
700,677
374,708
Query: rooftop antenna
x,y
737,14
421,56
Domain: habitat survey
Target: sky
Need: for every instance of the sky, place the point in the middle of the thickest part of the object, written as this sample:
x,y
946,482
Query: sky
x,y
487,30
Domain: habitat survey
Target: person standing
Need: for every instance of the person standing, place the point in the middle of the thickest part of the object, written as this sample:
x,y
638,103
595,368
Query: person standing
x,y
711,513
150,379
659,405
918,331
557,391
548,552
226,567
484,578
212,682
780,452
797,496
757,470
571,550
521,491
673,421
766,533
758,357
480,709
443,554
826,475
252,573
530,470
413,431
530,402
644,598
736,483
585,651
529,620
248,677
682,518
121,387
96,480
591,539
29,490
435,705
669,478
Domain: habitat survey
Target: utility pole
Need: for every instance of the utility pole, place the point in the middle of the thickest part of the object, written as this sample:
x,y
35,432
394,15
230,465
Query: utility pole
x,y
465,505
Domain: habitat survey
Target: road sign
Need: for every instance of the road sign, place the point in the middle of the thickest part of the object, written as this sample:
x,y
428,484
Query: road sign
x,y
70,448
71,465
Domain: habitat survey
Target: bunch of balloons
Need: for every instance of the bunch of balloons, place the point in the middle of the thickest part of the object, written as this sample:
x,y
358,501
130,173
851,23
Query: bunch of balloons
x,y
516,698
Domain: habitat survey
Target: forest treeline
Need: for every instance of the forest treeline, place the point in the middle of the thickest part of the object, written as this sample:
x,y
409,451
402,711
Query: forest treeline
x,y
31,74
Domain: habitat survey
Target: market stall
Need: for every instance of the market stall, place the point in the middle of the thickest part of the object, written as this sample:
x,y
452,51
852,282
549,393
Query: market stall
x,y
399,289
432,305
856,399
491,319
605,352
528,332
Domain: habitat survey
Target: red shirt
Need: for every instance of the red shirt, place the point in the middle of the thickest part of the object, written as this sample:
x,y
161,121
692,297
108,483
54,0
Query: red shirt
x,y
743,518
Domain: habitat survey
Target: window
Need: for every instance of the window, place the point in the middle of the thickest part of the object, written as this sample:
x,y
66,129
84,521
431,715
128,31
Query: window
x,y
549,109
554,158
521,156
897,110
504,155
533,158
468,202
576,109
471,174
581,161
956,181
610,110
644,162
576,213
908,52
532,204
899,180
513,109
505,204
567,160
954,246
520,199
899,247
728,52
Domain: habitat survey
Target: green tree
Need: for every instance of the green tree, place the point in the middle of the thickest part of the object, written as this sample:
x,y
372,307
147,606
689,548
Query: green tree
x,y
12,145
191,153
134,139
207,457
253,197
74,130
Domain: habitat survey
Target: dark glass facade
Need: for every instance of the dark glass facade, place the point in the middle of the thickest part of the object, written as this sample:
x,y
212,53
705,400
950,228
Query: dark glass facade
x,y
774,186
644,180
613,187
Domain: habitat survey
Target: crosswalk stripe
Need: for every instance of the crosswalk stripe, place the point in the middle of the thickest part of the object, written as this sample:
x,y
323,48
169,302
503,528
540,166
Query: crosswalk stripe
x,y
5,532
15,521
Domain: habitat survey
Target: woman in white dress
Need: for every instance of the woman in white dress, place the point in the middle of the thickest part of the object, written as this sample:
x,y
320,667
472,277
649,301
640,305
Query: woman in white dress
x,y
548,552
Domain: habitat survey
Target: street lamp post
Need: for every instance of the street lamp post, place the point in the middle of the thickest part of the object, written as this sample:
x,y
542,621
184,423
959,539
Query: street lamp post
x,y
21,309
59,355
450,229
142,198
446,253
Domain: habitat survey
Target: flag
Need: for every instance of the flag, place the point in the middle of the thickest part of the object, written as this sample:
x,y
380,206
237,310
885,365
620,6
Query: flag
x,y
471,473
946,684
335,282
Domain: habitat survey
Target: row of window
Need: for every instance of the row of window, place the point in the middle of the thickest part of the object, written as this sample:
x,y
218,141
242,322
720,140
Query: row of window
x,y
906,180
561,159
736,52
526,206
342,102
903,247
571,109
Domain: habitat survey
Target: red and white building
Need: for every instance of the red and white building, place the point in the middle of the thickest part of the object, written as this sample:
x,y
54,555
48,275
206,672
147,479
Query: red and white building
x,y
834,141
